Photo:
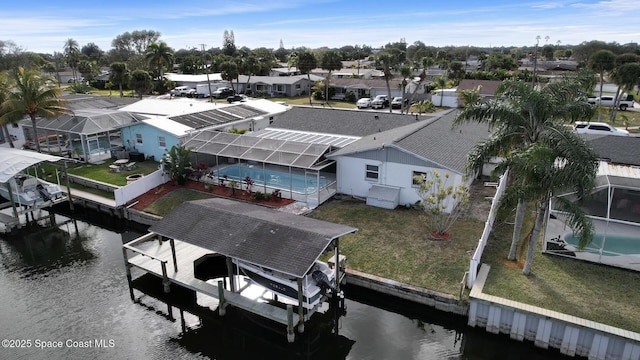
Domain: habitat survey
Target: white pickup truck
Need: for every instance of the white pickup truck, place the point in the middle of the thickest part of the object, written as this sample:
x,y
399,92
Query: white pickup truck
x,y
609,101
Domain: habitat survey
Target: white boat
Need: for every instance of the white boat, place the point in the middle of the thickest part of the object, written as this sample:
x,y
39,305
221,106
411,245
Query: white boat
x,y
316,284
27,190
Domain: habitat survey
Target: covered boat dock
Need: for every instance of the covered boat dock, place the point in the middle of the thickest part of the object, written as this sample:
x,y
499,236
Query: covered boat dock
x,y
12,163
275,241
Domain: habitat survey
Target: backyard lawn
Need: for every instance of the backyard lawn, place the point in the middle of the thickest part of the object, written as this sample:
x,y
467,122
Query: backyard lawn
x,y
100,172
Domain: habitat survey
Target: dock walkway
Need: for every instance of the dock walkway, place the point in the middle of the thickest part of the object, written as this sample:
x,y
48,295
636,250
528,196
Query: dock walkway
x,y
150,258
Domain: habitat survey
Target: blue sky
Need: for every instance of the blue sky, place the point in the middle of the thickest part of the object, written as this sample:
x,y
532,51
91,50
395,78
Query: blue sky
x,y
43,26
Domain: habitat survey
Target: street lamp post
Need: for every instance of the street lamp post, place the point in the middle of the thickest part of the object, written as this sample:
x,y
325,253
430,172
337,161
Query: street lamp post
x,y
535,60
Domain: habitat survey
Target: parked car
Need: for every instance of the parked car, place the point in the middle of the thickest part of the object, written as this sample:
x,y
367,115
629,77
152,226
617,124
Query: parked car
x,y
363,103
223,92
396,103
626,101
583,127
180,91
380,102
237,97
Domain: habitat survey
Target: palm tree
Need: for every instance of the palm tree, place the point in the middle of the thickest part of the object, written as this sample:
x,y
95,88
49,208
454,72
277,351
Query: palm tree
x,y
405,72
3,97
626,76
33,95
305,62
600,62
387,60
522,115
562,162
72,53
159,55
441,82
330,61
119,75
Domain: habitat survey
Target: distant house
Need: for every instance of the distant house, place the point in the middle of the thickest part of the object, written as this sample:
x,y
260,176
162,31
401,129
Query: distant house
x,y
153,137
365,87
193,81
486,88
286,86
381,166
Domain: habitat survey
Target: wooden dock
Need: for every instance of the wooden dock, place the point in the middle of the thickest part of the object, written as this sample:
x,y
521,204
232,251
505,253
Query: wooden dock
x,y
156,257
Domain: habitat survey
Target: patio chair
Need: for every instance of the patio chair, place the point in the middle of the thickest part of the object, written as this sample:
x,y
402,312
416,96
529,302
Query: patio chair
x,y
130,166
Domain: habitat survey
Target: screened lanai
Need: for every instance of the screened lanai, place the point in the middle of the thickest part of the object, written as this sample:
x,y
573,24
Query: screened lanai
x,y
614,209
87,135
297,169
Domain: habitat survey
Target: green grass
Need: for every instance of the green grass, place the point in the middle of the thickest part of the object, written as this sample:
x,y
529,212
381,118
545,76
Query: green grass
x,y
304,100
100,172
596,292
172,200
632,118
394,244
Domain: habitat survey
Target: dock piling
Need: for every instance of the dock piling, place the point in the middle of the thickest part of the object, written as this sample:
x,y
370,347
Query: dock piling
x,y
165,279
222,304
291,336
128,270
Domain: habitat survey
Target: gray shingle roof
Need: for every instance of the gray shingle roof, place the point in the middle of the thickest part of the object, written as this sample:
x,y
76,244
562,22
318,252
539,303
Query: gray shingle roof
x,y
341,121
270,238
433,140
616,149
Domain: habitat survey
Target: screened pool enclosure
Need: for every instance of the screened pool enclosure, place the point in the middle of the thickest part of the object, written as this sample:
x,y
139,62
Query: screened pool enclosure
x,y
614,209
298,169
87,135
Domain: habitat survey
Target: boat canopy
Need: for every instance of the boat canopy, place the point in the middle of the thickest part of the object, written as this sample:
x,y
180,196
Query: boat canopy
x,y
265,237
13,161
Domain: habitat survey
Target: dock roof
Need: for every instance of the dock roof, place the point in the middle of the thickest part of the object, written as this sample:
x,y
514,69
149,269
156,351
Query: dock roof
x,y
266,237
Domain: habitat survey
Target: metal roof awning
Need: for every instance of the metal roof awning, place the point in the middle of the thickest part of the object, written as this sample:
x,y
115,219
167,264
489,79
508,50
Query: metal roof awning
x,y
13,161
88,122
269,238
247,147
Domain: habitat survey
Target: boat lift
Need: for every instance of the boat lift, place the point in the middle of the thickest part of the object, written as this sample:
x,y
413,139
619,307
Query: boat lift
x,y
284,246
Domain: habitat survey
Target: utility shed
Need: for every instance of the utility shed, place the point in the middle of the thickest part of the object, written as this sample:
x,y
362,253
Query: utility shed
x,y
279,241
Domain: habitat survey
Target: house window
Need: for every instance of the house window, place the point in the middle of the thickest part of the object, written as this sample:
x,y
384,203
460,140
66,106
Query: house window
x,y
280,88
162,142
297,86
15,125
422,174
372,172
139,138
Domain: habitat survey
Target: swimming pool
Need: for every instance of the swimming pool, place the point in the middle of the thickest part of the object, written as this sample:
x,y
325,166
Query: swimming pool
x,y
274,179
613,245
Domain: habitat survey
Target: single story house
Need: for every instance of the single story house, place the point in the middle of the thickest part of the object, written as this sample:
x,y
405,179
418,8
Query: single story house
x,y
286,86
486,88
154,137
365,87
381,166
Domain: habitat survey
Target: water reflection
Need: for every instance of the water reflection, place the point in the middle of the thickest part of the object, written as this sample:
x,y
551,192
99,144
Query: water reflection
x,y
69,283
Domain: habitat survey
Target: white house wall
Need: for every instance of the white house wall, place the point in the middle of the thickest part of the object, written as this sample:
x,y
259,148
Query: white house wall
x,y
351,177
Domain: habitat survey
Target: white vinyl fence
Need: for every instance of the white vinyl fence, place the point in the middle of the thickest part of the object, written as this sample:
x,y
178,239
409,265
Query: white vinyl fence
x,y
142,185
474,264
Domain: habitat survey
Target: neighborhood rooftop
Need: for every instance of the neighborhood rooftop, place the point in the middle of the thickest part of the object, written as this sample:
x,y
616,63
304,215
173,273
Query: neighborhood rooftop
x,y
343,122
435,141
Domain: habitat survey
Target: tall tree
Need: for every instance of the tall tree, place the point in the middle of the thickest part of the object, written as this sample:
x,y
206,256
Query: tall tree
x,y
140,81
405,72
4,93
159,55
330,61
559,162
229,43
33,95
119,75
522,115
441,82
602,61
72,55
387,60
626,76
305,62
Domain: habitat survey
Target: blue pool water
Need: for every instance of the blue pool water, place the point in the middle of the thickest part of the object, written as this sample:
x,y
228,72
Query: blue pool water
x,y
275,179
613,245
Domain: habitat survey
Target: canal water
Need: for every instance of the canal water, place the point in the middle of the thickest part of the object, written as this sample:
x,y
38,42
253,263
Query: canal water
x,y
64,295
